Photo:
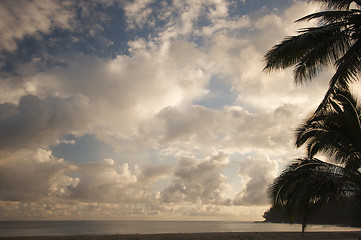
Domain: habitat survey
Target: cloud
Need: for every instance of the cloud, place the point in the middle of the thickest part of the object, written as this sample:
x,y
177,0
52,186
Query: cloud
x,y
233,129
48,188
137,12
161,75
189,126
109,182
142,106
35,184
32,175
257,174
198,182
29,18
152,174
36,122
104,182
125,91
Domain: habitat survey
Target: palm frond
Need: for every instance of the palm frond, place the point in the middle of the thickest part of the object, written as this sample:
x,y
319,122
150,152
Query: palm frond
x,y
335,127
336,4
348,67
307,134
327,17
306,184
340,79
293,49
335,131
326,52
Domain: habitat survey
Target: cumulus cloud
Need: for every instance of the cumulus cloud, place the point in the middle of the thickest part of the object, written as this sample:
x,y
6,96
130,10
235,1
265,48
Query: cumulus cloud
x,y
29,18
198,182
231,129
32,175
125,91
149,175
188,126
109,182
36,122
163,74
257,174
147,98
103,182
36,184
137,12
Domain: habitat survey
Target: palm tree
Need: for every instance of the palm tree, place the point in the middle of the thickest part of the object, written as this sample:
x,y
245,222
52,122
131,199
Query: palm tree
x,y
334,131
336,41
308,183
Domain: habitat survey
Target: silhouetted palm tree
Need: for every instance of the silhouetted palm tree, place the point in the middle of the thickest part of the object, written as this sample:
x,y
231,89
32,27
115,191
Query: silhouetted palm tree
x,y
335,131
308,183
336,42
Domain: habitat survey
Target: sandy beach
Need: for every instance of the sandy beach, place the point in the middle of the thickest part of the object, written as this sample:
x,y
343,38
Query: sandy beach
x,y
207,236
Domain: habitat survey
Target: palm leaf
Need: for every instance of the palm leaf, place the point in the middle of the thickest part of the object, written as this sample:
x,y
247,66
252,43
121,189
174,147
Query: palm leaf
x,y
335,132
326,52
328,17
306,184
337,4
293,49
347,69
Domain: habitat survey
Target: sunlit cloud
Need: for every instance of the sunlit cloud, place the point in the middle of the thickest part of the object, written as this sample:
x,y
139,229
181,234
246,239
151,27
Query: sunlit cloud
x,y
160,111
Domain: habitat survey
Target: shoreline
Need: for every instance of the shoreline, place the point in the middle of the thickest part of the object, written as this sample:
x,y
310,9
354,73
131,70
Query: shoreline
x,y
343,235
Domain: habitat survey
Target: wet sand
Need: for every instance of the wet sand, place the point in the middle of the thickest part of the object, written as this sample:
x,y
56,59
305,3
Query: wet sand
x,y
207,236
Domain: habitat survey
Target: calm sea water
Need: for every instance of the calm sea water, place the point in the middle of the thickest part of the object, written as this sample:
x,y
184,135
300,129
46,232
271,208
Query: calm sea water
x,y
62,228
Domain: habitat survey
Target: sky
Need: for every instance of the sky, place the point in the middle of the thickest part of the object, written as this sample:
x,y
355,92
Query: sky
x,y
146,109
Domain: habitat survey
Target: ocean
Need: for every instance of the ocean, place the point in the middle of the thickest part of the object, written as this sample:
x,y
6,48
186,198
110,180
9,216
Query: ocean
x,y
63,228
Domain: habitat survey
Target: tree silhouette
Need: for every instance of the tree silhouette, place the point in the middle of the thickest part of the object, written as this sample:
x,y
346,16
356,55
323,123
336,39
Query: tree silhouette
x,y
336,42
309,183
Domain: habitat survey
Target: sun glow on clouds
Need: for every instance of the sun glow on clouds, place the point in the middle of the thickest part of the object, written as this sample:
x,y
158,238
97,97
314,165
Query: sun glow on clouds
x,y
161,156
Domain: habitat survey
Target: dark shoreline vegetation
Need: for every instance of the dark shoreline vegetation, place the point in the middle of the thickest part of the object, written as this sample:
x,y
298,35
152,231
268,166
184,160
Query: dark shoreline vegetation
x,y
340,214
